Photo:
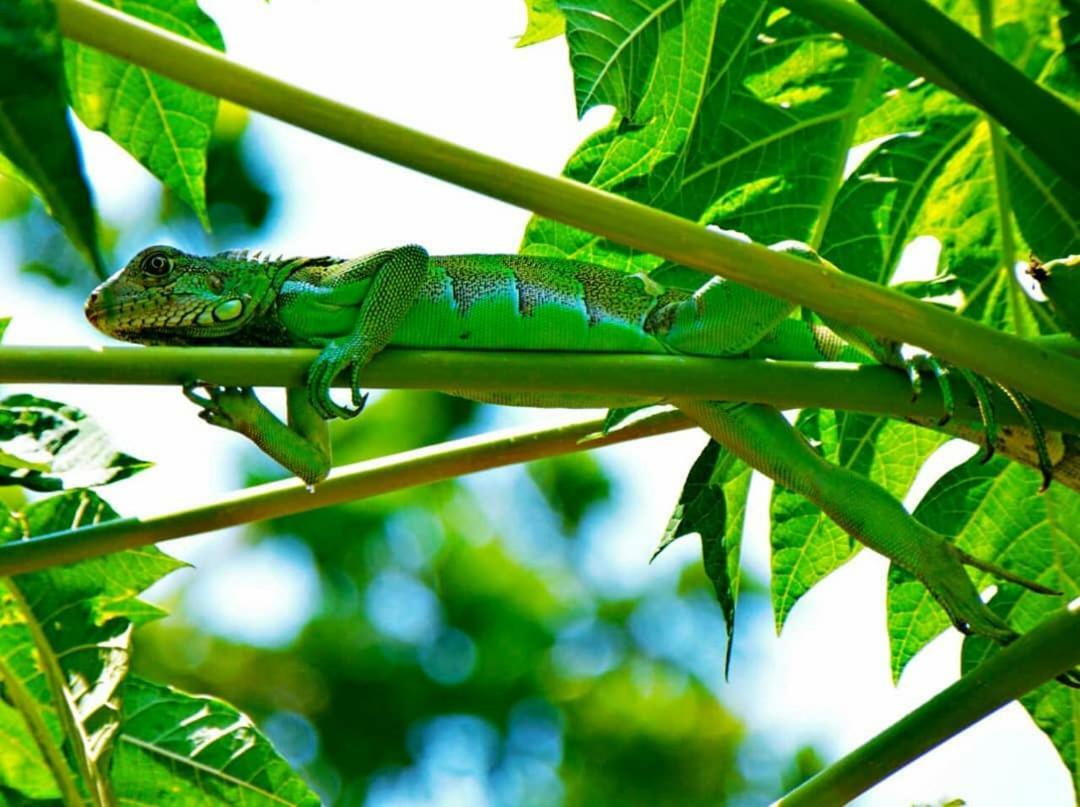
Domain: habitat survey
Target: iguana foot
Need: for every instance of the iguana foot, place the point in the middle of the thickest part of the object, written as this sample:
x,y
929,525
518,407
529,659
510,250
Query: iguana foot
x,y
233,408
986,411
953,590
979,387
327,366
915,367
1023,406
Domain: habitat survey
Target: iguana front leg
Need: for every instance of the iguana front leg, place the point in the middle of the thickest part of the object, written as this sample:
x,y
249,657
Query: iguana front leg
x,y
302,446
760,436
354,311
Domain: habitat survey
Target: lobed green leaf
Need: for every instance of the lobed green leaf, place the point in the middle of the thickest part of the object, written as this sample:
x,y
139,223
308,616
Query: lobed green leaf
x,y
545,22
161,123
994,512
47,445
179,749
718,482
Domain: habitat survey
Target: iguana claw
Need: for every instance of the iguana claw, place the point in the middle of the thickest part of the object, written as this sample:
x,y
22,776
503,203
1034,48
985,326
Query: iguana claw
x,y
232,408
321,375
924,361
978,386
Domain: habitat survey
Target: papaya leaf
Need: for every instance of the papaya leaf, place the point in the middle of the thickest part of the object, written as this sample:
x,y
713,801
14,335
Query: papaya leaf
x,y
37,142
545,22
807,544
717,483
22,765
722,136
162,124
614,417
935,176
65,636
47,445
994,512
178,749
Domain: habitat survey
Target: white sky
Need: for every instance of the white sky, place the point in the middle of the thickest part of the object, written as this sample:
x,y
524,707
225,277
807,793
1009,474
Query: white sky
x,y
450,69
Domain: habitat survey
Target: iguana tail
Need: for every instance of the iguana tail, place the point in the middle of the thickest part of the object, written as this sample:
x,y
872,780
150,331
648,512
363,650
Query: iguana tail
x,y
761,436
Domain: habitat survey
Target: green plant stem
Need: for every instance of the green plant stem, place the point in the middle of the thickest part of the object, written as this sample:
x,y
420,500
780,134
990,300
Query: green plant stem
x,y
862,388
345,484
857,24
1039,118
18,696
1051,377
1032,660
1018,299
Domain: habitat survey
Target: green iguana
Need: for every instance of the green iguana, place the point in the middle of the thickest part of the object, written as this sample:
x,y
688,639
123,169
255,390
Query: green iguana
x,y
353,308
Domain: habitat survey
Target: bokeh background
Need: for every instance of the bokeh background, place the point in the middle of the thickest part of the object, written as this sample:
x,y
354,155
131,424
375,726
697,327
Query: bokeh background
x,y
500,639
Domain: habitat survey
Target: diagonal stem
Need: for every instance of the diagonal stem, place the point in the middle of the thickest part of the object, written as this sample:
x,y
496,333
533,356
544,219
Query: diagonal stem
x,y
1050,377
345,484
1038,117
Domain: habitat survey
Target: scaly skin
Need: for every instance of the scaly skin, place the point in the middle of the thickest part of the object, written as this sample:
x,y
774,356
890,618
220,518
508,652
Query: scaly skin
x,y
352,309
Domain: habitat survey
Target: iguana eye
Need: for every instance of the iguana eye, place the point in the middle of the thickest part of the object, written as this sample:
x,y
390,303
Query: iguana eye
x,y
157,264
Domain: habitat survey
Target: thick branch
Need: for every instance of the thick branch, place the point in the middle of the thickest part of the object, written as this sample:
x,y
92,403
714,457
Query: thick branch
x,y
1040,119
1048,376
345,484
1035,658
787,385
857,24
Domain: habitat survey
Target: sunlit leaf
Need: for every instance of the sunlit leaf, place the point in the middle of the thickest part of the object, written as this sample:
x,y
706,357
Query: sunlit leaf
x,y
22,766
179,749
807,544
1051,519
47,445
613,49
545,22
994,512
65,637
164,125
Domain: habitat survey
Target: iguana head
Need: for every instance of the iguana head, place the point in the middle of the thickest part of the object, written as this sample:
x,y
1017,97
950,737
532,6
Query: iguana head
x,y
165,296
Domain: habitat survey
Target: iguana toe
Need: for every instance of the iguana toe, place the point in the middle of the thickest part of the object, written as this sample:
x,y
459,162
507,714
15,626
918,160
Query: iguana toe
x,y
321,376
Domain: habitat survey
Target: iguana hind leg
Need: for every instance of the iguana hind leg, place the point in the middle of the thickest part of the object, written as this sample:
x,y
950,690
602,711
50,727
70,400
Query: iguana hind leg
x,y
765,440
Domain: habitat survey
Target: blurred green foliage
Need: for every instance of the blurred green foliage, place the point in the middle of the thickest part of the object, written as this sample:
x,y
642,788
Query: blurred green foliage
x,y
435,622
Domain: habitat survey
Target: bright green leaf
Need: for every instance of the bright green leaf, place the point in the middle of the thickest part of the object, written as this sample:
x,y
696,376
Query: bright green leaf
x,y
37,143
807,544
47,445
715,489
179,749
994,512
613,48
164,125
22,766
1050,521
545,22
65,636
